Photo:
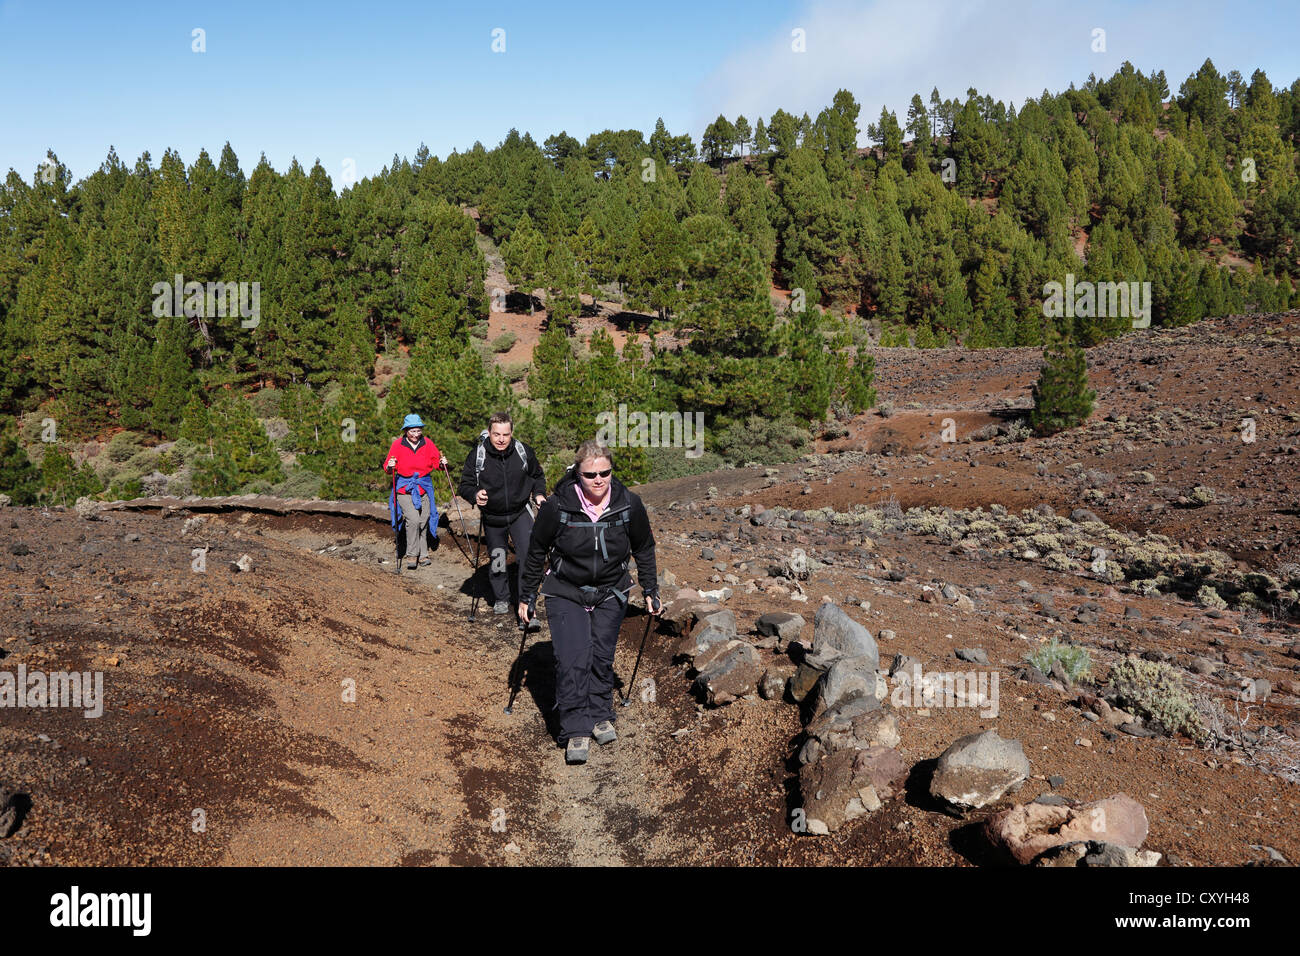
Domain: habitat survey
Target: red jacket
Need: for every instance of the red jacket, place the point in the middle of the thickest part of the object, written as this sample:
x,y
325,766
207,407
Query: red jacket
x,y
424,460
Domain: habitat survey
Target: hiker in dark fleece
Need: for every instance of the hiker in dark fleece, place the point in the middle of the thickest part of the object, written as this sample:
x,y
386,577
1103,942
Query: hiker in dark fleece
x,y
414,458
589,528
502,477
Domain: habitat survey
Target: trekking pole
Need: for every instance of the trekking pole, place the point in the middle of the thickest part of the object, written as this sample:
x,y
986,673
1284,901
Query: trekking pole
x,y
397,532
511,680
627,698
473,608
459,515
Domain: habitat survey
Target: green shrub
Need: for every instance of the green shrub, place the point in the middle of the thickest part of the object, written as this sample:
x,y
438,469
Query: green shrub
x,y
833,430
669,463
504,342
1014,431
299,483
124,445
182,452
1208,596
515,371
1155,690
125,490
1075,660
763,440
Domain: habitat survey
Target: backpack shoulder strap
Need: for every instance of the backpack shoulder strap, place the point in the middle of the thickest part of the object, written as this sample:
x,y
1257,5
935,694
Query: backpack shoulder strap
x,y
480,455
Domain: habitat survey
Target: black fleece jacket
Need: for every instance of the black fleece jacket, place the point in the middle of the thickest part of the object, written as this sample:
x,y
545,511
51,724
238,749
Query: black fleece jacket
x,y
586,556
509,484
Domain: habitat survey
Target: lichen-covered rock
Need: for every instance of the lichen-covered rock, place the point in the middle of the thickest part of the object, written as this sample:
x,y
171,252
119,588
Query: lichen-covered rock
x,y
979,769
832,787
729,675
848,678
835,633
785,626
856,724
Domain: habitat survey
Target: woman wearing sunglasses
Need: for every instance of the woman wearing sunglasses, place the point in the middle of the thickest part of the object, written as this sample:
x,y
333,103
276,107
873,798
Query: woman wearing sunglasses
x,y
589,528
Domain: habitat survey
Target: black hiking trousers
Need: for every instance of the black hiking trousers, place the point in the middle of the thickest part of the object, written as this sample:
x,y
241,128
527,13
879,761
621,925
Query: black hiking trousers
x,y
584,643
520,530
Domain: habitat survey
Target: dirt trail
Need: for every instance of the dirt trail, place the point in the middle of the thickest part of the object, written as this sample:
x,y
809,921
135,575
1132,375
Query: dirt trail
x,y
464,780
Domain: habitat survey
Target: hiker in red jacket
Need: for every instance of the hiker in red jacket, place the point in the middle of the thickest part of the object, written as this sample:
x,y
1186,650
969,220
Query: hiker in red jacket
x,y
414,459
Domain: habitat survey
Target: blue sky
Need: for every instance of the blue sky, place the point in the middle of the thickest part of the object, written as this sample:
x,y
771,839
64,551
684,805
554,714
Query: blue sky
x,y
339,81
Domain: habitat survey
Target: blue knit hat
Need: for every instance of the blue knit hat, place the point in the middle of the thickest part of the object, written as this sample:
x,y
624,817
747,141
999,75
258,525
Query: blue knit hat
x,y
412,421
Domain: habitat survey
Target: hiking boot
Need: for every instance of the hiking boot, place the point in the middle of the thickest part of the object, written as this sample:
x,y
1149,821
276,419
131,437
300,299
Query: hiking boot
x,y
501,607
411,565
425,561
576,750
604,733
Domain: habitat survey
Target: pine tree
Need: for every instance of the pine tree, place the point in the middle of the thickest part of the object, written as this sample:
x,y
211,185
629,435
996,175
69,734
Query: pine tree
x,y
804,279
172,374
1062,398
240,452
657,262
19,478
525,256
562,282
743,133
888,134
784,131
702,192
196,422
556,380
263,226
304,329
355,440
63,482
303,411
859,385
918,126
810,378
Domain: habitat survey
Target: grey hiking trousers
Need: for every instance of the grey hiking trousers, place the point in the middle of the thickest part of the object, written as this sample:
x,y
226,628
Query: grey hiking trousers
x,y
417,522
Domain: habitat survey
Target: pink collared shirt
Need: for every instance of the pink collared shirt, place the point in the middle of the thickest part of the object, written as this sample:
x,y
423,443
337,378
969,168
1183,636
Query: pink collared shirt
x,y
593,511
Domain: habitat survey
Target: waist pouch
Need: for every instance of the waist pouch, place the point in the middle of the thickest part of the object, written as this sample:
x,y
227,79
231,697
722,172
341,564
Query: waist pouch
x,y
586,595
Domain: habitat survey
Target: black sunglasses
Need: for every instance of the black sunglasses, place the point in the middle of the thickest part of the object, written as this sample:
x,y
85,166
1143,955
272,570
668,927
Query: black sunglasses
x,y
592,474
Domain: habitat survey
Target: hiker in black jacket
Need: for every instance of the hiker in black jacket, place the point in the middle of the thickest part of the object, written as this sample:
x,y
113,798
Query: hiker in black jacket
x,y
502,477
589,528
